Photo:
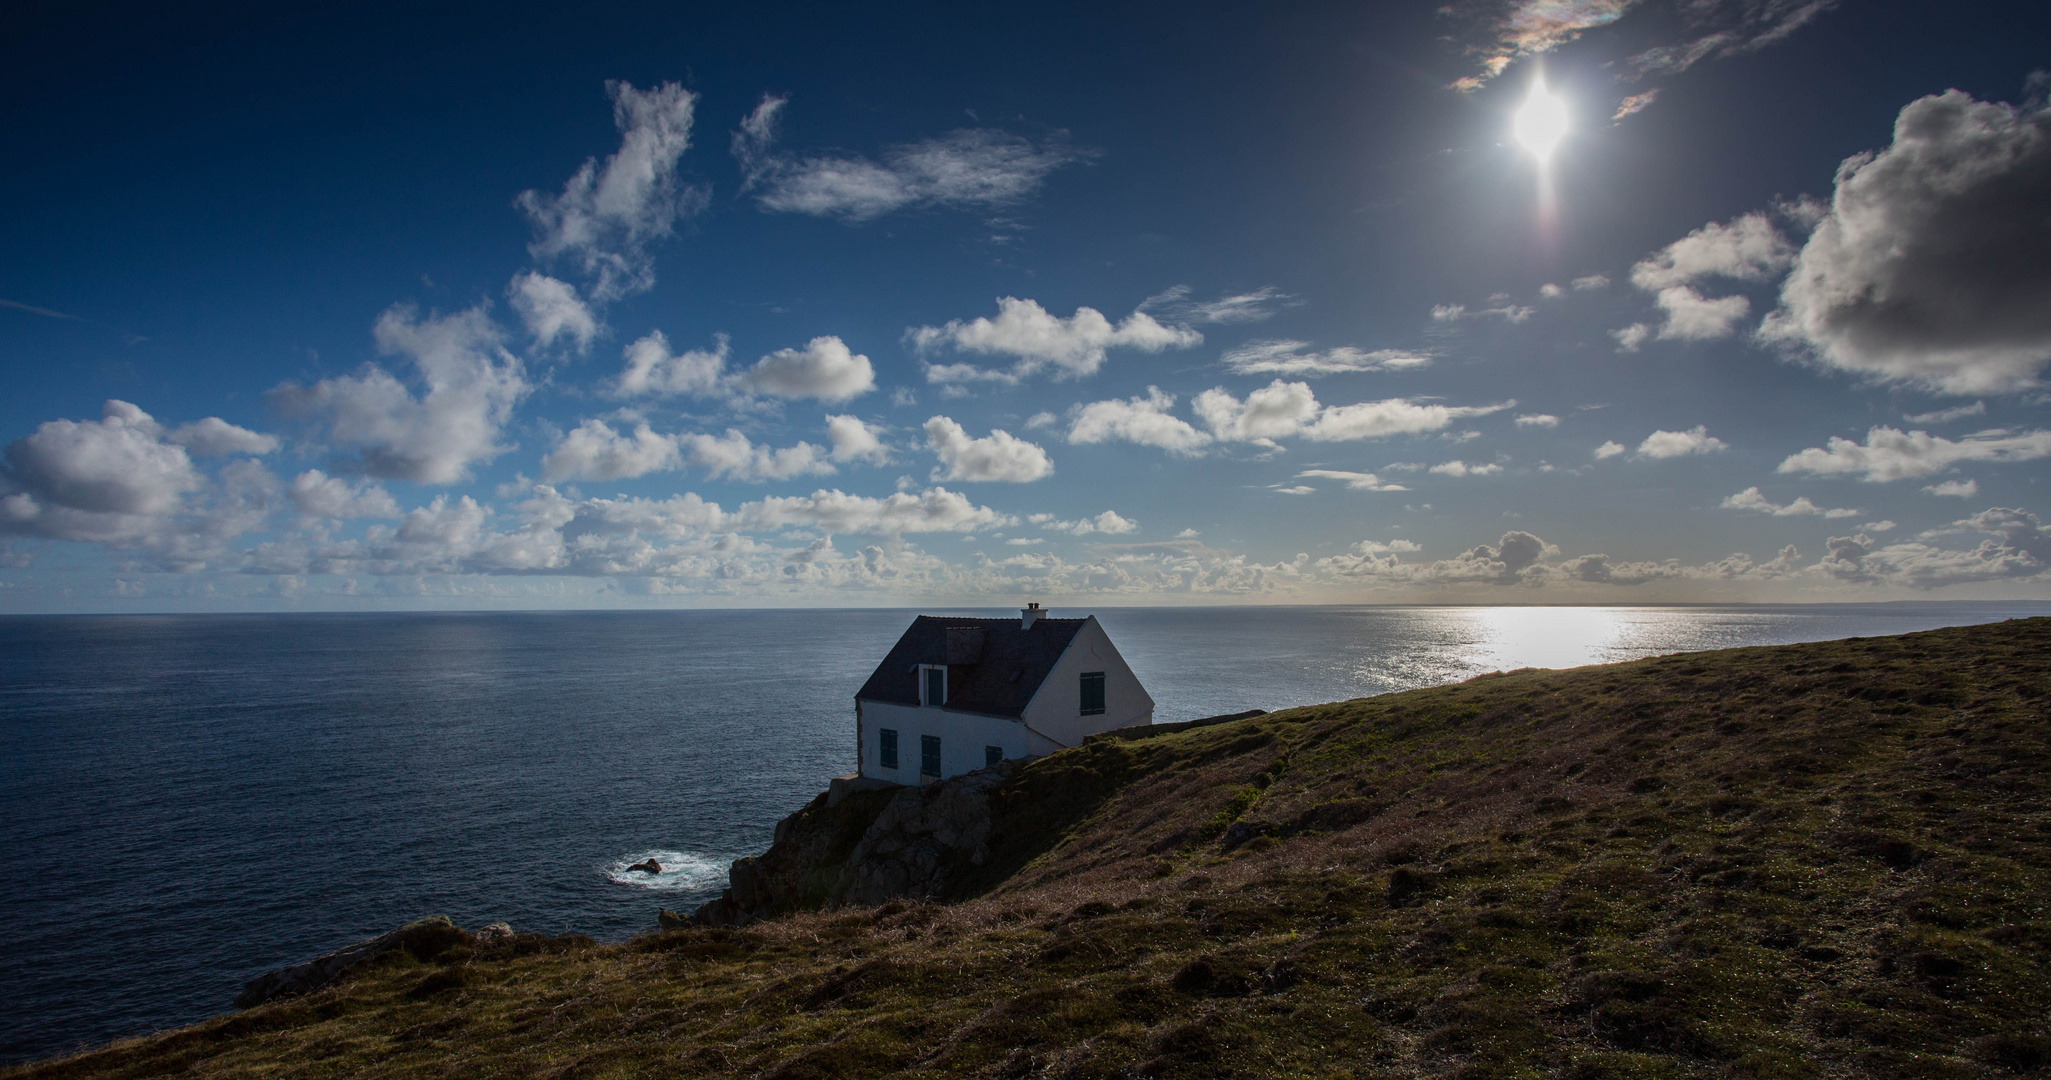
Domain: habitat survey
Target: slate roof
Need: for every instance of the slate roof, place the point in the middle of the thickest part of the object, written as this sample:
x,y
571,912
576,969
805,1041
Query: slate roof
x,y
993,667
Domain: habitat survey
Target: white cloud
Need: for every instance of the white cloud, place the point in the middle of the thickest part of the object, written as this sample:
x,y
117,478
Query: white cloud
x,y
1551,291
1293,489
933,510
732,456
118,464
1592,281
1889,454
1710,28
1041,419
1929,268
1276,410
470,384
594,451
1297,358
318,495
1630,337
1461,468
652,369
1945,416
1752,499
1071,347
1144,421
854,440
214,437
1673,444
1108,522
605,217
1609,449
1260,304
1690,316
1748,249
551,309
970,168
998,457
1635,103
1357,481
2022,550
1395,416
1962,489
1508,312
1538,420
824,369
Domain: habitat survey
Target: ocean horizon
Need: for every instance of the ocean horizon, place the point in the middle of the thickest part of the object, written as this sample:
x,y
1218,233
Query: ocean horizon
x,y
193,799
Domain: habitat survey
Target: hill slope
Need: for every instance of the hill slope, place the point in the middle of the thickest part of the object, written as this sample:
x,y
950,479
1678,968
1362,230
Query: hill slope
x,y
1812,860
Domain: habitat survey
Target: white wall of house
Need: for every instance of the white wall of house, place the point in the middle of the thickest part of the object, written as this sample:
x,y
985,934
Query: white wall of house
x,y
962,739
1056,709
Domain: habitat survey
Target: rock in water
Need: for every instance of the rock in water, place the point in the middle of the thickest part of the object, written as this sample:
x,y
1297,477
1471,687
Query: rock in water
x,y
425,938
651,867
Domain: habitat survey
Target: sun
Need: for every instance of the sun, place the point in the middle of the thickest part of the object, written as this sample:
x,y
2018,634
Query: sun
x,y
1541,121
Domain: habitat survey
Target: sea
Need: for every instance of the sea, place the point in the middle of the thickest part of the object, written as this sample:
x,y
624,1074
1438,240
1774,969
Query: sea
x,y
188,801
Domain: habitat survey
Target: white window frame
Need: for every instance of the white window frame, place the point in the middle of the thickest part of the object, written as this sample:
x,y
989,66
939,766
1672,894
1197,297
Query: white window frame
x,y
924,685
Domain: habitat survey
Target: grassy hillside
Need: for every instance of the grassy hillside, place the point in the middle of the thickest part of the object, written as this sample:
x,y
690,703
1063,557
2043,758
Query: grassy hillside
x,y
1822,860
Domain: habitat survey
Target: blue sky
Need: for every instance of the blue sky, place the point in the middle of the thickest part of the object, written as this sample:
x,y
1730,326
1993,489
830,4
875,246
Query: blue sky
x,y
475,307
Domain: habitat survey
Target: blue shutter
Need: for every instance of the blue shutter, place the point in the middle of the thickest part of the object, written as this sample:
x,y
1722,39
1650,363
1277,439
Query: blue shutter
x,y
992,755
886,746
929,755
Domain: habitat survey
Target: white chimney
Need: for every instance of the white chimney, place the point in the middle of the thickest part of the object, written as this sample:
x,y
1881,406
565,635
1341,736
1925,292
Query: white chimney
x,y
1029,615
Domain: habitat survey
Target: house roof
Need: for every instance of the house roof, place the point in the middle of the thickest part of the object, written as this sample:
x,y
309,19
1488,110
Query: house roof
x,y
993,667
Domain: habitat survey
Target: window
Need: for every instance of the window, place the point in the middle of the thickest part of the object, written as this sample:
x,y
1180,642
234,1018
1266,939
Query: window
x,y
1092,693
929,755
936,686
886,747
992,755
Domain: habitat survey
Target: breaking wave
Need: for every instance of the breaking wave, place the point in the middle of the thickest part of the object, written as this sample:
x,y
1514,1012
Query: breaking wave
x,y
681,871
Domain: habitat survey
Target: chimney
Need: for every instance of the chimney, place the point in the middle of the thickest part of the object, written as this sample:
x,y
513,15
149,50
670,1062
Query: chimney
x,y
1029,615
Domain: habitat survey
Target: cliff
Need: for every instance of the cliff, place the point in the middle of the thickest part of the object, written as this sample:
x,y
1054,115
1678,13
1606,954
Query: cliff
x,y
1824,860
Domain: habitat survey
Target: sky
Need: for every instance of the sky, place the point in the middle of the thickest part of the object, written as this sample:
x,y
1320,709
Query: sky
x,y
467,306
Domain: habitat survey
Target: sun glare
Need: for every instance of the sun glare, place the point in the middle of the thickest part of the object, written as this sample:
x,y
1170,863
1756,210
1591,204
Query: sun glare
x,y
1542,121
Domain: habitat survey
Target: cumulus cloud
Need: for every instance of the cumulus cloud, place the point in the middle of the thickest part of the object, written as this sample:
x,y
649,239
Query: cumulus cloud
x,y
933,510
1395,416
318,495
1508,312
1630,337
1108,522
1284,357
1963,489
652,369
1673,444
552,310
1461,468
1356,481
1609,449
1145,421
594,451
1071,347
997,457
853,440
1929,268
1890,454
824,369
1592,281
2018,547
469,385
118,464
605,216
1749,248
213,437
1752,499
1274,411
1538,420
733,456
1175,305
970,168
1690,316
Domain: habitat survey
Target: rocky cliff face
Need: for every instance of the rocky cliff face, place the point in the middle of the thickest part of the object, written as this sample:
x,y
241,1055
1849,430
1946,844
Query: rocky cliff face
x,y
864,847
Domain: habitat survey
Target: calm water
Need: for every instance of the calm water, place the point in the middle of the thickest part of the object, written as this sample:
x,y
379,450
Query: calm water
x,y
188,801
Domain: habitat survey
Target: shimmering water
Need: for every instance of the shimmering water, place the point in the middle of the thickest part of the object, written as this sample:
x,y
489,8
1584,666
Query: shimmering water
x,y
187,801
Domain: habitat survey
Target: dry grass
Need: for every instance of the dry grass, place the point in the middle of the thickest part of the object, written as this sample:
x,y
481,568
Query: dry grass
x,y
1821,860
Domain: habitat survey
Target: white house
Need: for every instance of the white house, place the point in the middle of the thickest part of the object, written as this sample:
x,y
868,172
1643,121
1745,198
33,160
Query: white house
x,y
957,695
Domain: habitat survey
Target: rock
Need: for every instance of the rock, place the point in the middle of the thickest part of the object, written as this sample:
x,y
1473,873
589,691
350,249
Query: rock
x,y
649,867
497,931
425,938
670,920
